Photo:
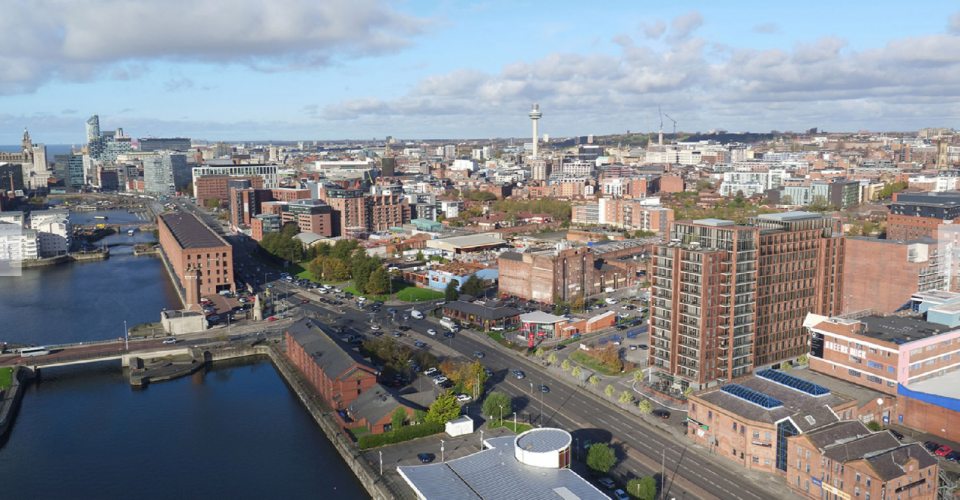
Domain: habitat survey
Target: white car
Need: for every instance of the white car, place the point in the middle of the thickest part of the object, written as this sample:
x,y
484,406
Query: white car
x,y
337,290
439,380
430,372
431,332
607,483
620,495
463,398
170,341
374,327
496,328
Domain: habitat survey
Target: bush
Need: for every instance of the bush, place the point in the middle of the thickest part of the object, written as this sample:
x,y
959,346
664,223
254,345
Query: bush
x,y
399,435
873,426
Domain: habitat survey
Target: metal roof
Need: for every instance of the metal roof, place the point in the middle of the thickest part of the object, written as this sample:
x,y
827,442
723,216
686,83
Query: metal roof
x,y
543,440
190,232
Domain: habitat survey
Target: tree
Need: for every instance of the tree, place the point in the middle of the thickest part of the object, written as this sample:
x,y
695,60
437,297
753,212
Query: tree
x,y
785,366
704,184
212,203
540,352
472,286
786,200
609,391
552,358
644,489
565,365
645,406
803,360
451,293
315,267
341,272
576,372
626,397
687,392
379,283
819,204
600,458
420,255
398,417
638,375
491,405
444,409
419,416
594,380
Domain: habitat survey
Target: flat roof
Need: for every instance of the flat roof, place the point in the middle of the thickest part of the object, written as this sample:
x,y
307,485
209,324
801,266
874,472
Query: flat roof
x,y
541,317
791,216
714,222
900,329
544,440
190,232
496,474
470,241
946,385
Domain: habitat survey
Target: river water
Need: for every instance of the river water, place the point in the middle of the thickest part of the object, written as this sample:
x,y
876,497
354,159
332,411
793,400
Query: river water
x,y
232,431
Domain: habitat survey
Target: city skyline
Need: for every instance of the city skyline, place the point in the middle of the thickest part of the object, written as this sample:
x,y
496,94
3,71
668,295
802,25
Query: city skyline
x,y
358,70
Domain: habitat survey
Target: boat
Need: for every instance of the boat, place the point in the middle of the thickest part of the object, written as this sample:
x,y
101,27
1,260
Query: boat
x,y
130,232
101,217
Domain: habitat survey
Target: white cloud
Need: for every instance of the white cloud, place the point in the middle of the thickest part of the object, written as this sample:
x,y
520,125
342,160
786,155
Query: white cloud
x,y
655,30
954,23
83,39
822,82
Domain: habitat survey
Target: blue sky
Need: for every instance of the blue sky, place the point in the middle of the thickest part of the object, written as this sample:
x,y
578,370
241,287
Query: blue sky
x,y
309,70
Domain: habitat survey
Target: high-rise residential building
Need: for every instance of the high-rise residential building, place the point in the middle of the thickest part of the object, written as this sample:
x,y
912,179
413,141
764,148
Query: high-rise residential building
x,y
268,174
449,151
164,174
540,170
93,128
727,298
68,169
164,144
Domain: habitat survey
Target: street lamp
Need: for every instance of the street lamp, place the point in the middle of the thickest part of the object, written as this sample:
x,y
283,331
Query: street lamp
x,y
501,414
481,439
441,450
514,421
381,462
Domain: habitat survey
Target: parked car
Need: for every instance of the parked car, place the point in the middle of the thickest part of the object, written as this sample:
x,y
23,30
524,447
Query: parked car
x,y
374,327
430,372
496,328
931,446
439,380
659,412
953,456
558,347
446,384
425,458
620,495
271,318
943,450
463,398
896,434
607,483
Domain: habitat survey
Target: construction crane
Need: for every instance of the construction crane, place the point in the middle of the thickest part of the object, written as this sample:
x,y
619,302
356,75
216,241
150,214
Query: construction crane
x,y
660,142
674,127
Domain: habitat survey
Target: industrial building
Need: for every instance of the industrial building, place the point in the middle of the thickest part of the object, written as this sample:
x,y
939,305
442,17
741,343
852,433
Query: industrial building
x,y
201,260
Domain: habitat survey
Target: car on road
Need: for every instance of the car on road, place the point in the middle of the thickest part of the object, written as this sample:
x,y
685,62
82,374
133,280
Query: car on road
x,y
518,374
448,335
607,483
463,398
931,446
170,341
660,412
425,458
403,328
496,328
430,372
543,388
419,343
431,332
633,348
374,327
643,347
271,318
943,450
304,301
896,434
558,347
269,285
488,371
478,354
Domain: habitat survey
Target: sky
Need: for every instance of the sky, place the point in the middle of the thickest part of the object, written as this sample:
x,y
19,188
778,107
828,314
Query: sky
x,y
260,70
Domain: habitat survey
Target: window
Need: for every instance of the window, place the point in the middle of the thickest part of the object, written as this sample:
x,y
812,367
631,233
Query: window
x,y
734,426
766,462
891,369
799,451
808,454
915,366
868,485
756,460
858,477
856,491
710,415
854,373
743,430
766,436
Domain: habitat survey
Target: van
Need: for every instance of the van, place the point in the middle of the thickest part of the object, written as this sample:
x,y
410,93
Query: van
x,y
610,301
416,314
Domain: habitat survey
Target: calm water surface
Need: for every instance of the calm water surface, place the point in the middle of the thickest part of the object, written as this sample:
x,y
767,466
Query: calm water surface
x,y
232,431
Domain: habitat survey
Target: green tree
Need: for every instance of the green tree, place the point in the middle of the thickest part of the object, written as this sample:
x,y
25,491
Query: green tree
x,y
341,272
609,391
819,204
212,203
342,249
451,293
419,416
472,286
491,405
803,360
645,406
552,358
687,392
444,409
626,397
600,458
565,365
398,417
576,372
540,352
594,380
379,282
704,184
785,366
638,375
643,489
315,267
419,255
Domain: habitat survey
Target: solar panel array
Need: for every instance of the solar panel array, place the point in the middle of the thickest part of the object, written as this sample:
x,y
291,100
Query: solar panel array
x,y
757,398
794,382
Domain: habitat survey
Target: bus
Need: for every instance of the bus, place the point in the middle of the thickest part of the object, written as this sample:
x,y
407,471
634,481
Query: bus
x,y
27,352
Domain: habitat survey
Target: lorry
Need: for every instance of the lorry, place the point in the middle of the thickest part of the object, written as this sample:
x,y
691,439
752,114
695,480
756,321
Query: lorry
x,y
416,314
449,324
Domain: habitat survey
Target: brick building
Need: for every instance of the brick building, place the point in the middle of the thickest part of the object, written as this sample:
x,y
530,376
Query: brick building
x,y
201,260
708,323
562,274
846,460
360,212
902,267
671,184
215,186
915,215
263,224
311,216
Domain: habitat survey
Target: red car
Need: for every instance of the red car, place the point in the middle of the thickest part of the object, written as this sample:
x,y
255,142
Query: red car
x,y
271,319
304,301
943,450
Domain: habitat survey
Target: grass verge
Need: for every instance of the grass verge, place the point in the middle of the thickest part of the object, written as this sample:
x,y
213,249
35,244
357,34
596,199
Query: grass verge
x,y
520,428
591,363
6,377
356,431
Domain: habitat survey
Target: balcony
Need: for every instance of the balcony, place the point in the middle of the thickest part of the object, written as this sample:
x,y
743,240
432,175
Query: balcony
x,y
687,322
692,365
723,356
742,352
687,279
661,355
688,343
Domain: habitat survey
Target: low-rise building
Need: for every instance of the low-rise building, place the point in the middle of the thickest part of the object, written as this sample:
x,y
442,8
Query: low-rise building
x,y
481,315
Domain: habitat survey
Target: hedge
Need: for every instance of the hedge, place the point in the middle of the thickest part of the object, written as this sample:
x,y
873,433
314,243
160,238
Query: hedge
x,y
400,435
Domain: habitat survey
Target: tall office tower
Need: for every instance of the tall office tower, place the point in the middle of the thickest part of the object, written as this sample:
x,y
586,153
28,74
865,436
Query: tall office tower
x,y
535,115
93,128
727,298
164,174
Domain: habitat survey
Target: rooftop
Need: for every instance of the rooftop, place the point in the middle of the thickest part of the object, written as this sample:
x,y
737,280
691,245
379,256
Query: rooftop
x,y
491,313
470,241
791,216
714,222
190,232
899,329
541,317
543,440
495,474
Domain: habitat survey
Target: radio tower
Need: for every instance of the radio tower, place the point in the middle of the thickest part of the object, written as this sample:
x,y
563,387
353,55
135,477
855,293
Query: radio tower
x,y
535,115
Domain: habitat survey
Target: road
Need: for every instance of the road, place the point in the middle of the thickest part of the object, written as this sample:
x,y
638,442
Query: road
x,y
580,413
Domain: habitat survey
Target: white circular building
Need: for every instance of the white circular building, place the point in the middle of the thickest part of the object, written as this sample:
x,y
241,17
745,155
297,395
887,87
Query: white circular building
x,y
548,448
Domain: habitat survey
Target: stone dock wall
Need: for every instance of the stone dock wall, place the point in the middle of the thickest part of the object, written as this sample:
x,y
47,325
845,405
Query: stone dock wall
x,y
10,400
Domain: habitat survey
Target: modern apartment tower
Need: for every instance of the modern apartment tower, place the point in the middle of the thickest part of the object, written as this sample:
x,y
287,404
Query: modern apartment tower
x,y
727,298
535,116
